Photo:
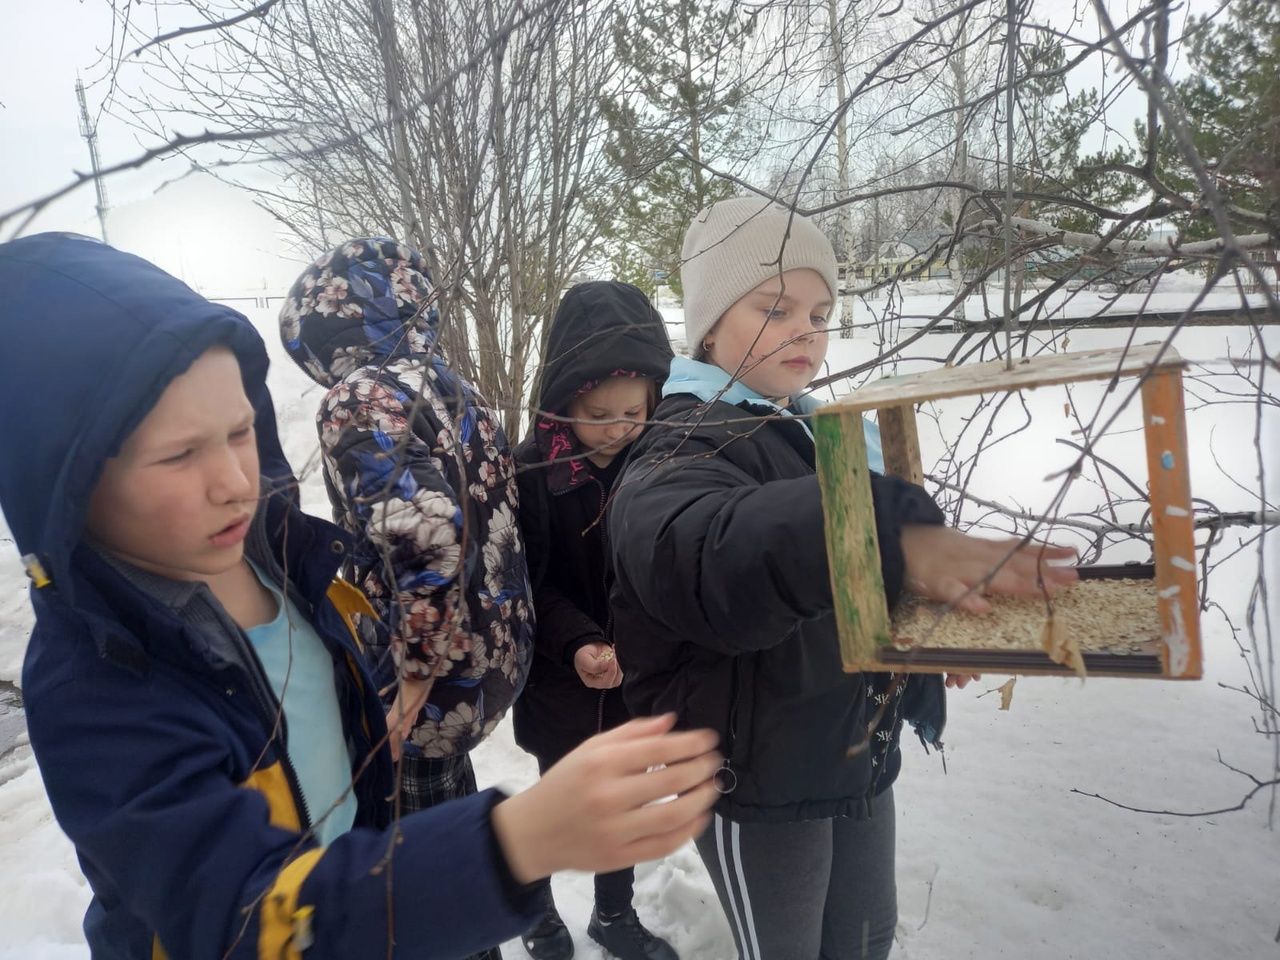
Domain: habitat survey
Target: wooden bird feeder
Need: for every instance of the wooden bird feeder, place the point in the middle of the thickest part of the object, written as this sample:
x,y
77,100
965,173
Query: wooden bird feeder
x,y
1130,621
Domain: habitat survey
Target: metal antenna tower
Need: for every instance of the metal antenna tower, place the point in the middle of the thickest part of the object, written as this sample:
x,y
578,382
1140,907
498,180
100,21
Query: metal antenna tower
x,y
90,133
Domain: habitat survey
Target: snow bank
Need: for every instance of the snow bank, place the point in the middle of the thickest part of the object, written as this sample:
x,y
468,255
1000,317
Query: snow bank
x,y
42,894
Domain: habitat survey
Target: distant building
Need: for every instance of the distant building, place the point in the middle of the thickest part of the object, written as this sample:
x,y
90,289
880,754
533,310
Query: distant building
x,y
920,256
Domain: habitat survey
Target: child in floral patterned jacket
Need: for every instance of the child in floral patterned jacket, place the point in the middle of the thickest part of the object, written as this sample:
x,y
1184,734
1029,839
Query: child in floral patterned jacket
x,y
419,471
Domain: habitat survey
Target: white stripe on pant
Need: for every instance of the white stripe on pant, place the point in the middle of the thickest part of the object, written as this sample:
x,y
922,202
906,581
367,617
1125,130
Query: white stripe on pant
x,y
718,826
822,888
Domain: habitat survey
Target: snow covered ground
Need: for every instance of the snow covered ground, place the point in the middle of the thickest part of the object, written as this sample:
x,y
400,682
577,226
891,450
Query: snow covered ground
x,y
996,857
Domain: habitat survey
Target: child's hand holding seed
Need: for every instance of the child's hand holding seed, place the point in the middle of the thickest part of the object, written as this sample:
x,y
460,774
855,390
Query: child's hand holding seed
x,y
597,666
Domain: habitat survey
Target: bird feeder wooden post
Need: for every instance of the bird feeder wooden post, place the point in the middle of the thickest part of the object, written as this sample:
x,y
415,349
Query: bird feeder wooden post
x,y
1161,620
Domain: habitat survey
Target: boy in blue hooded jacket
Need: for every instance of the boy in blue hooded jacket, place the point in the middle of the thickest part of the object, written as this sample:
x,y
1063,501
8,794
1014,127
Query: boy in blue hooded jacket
x,y
207,733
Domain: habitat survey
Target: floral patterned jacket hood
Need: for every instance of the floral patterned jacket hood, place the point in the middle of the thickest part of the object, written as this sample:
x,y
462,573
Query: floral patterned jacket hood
x,y
418,469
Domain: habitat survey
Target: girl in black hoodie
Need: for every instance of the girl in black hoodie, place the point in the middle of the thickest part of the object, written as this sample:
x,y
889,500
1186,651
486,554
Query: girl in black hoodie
x,y
606,358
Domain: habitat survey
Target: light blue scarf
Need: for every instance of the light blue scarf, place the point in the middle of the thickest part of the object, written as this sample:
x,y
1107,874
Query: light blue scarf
x,y
708,382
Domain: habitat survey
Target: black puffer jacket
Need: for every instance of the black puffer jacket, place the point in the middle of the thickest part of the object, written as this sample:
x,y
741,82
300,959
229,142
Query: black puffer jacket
x,y
601,329
723,613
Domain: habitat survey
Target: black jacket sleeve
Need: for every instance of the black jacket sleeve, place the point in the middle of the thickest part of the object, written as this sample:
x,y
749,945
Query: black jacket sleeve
x,y
563,628
728,561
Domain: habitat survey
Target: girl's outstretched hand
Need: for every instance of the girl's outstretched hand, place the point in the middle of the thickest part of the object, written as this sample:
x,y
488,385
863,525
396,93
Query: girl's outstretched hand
x,y
595,811
952,567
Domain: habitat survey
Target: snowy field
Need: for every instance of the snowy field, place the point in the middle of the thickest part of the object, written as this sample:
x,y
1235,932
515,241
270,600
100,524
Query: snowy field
x,y
996,857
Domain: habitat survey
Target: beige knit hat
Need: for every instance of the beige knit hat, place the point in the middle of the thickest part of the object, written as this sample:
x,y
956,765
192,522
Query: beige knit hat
x,y
732,247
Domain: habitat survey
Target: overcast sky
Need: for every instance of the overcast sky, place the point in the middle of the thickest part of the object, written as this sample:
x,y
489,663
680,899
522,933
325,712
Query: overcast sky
x,y
198,229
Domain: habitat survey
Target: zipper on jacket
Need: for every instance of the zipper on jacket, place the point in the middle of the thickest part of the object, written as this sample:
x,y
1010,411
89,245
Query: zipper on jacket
x,y
273,716
726,778
266,695
604,563
271,707
604,583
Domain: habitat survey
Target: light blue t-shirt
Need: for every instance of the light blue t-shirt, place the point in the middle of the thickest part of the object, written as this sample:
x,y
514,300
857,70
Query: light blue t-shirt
x,y
301,673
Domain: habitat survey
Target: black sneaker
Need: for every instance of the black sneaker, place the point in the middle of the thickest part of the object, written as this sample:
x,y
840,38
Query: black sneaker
x,y
550,939
625,937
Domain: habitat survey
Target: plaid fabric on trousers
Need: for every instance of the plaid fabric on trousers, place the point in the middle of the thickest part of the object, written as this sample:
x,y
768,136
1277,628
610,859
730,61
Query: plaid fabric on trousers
x,y
426,783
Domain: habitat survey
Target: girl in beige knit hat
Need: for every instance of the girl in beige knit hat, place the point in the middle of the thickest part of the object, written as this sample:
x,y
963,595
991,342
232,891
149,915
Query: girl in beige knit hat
x,y
722,604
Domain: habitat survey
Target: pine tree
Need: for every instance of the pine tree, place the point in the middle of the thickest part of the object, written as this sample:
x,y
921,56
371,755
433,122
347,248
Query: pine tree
x,y
1230,103
1090,177
1232,100
1055,135
679,56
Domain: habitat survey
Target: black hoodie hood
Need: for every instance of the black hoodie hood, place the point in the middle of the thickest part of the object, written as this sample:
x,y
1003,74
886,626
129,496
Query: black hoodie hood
x,y
600,328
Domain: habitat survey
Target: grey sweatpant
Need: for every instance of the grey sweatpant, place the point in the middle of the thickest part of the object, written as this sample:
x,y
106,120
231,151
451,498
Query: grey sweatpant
x,y
803,891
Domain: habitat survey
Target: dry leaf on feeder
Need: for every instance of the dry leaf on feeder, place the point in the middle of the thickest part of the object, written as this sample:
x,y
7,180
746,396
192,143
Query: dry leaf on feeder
x,y
1006,692
1062,647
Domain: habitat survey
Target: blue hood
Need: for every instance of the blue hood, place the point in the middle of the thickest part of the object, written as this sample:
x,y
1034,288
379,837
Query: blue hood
x,y
92,337
708,382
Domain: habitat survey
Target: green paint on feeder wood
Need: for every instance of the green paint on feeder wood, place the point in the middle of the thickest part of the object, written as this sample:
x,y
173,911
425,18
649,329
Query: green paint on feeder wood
x,y
853,551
